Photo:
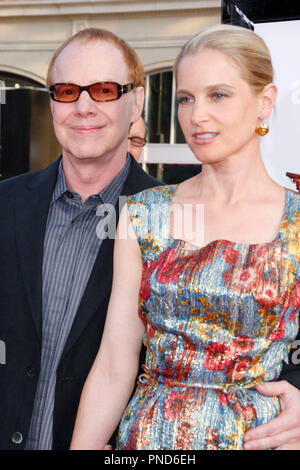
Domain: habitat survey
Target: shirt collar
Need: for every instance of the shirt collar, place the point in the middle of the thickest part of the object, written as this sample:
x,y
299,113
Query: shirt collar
x,y
61,185
108,193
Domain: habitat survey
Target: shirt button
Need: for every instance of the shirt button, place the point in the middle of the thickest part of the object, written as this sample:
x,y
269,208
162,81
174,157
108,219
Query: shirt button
x,y
17,437
64,378
30,372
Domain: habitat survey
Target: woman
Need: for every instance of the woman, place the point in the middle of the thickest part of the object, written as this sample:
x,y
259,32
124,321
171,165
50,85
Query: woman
x,y
218,305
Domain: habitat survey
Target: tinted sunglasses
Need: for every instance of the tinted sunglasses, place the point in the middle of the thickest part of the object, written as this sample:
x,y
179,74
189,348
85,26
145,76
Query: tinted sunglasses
x,y
102,91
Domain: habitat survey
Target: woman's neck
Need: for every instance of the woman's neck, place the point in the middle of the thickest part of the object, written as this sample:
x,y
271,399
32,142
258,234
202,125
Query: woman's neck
x,y
234,179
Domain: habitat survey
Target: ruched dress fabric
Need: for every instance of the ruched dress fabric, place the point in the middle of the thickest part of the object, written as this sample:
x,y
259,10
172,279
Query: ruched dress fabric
x,y
219,320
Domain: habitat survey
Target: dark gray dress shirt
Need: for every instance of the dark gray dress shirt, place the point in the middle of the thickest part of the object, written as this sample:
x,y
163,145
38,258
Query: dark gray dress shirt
x,y
71,246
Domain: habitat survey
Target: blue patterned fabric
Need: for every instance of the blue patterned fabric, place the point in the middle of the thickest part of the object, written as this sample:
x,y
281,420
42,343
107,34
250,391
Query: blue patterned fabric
x,y
219,320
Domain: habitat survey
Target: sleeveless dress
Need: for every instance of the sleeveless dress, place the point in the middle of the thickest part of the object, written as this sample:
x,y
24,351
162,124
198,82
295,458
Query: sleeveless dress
x,y
219,320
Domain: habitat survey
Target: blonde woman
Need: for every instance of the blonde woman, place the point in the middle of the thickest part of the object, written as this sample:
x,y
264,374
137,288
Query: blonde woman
x,y
217,308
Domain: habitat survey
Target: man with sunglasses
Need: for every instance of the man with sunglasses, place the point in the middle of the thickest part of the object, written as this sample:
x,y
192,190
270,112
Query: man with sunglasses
x,y
56,271
137,138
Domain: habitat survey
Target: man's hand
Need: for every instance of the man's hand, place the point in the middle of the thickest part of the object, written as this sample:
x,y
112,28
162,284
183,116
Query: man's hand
x,y
282,432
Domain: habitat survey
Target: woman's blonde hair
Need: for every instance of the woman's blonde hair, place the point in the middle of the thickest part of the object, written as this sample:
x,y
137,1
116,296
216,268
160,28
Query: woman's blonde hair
x,y
132,60
243,46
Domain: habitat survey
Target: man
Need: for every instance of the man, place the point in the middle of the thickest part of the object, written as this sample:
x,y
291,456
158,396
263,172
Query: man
x,y
56,272
137,138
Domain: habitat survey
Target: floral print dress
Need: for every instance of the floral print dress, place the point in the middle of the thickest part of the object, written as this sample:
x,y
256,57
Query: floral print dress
x,y
219,320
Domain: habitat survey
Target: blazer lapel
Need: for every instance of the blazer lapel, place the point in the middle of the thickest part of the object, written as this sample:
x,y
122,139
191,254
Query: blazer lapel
x,y
32,205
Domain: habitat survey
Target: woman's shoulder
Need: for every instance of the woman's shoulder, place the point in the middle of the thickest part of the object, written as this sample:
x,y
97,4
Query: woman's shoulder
x,y
157,194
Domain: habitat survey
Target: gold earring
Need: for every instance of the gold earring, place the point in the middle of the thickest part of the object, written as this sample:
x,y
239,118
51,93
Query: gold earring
x,y
262,129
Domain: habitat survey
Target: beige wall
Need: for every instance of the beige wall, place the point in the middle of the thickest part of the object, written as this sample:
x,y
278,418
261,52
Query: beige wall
x,y
30,31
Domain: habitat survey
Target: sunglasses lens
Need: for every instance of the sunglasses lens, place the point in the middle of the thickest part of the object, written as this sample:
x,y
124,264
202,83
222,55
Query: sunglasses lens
x,y
104,91
66,93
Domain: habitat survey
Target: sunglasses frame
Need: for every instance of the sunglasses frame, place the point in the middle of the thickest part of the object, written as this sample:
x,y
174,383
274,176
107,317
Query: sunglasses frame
x,y
121,89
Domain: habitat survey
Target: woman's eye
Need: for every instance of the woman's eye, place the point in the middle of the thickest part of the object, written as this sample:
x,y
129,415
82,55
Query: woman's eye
x,y
218,96
184,99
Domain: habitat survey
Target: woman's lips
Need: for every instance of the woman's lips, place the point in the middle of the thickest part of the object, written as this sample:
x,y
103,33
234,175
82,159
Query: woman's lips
x,y
201,138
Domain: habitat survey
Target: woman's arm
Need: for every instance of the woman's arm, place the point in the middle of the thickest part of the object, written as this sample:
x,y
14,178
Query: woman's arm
x,y
111,380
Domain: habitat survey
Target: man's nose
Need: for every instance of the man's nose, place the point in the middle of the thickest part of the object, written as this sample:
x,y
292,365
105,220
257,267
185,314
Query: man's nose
x,y
85,104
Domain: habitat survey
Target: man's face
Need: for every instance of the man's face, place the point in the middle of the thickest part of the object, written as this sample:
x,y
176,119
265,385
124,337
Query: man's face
x,y
89,130
136,132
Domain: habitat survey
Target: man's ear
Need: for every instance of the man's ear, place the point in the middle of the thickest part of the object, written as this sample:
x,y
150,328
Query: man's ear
x,y
139,103
268,99
51,107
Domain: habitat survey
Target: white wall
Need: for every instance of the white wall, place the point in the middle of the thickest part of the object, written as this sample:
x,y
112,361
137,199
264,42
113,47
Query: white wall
x,y
281,146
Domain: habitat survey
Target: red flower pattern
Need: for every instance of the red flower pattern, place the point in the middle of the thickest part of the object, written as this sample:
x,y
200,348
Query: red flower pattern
x,y
175,404
231,256
267,295
242,344
218,356
240,278
236,371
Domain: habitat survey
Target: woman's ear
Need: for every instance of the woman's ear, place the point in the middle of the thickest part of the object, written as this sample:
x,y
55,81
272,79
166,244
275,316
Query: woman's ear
x,y
268,99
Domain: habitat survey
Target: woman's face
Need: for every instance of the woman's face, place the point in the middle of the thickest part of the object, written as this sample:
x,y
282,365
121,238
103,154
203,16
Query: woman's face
x,y
218,111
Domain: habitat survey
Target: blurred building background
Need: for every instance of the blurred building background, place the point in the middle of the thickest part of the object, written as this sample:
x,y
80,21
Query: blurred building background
x,y
30,32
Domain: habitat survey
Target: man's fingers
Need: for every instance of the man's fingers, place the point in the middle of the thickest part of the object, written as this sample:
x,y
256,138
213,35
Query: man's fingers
x,y
270,442
273,388
277,425
283,431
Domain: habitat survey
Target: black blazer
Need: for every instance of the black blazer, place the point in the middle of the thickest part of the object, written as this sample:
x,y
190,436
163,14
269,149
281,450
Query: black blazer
x,y
24,204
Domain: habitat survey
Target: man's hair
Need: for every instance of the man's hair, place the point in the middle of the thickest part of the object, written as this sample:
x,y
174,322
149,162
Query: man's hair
x,y
132,60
